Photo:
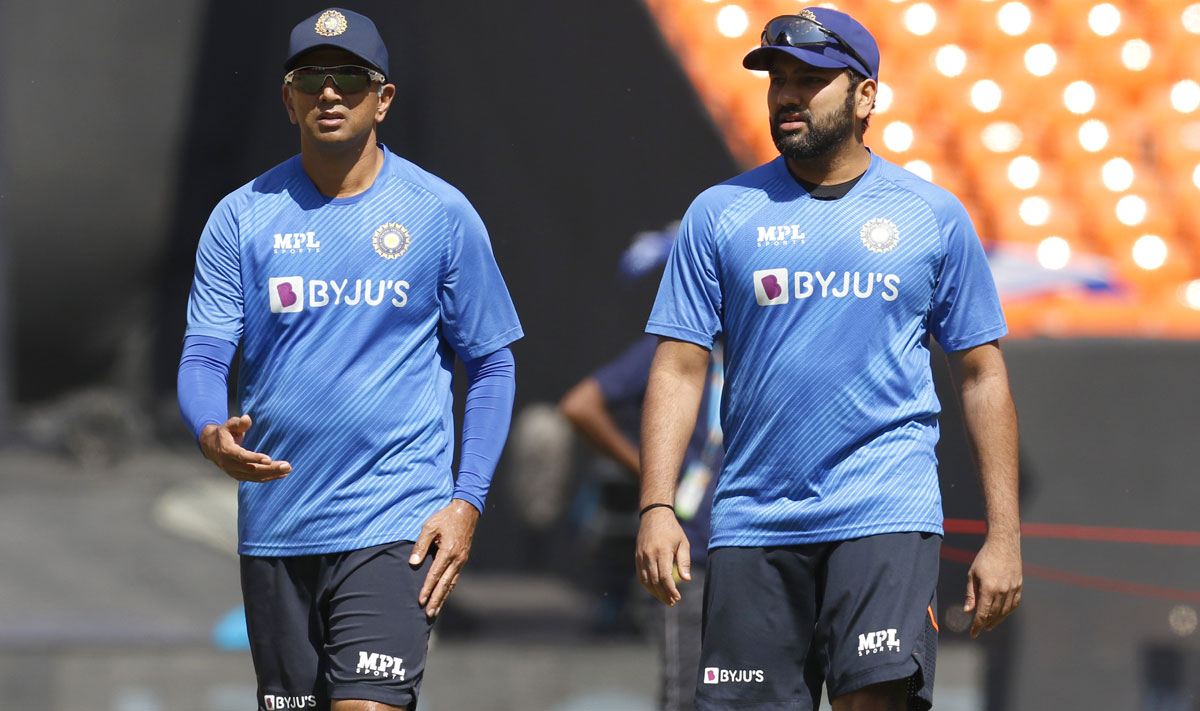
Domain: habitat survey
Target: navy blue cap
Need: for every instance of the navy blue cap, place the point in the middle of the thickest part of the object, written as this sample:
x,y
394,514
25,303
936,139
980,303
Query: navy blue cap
x,y
339,28
829,55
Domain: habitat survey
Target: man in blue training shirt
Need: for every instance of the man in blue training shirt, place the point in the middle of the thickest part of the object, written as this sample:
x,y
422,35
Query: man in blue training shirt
x,y
590,405
351,279
825,272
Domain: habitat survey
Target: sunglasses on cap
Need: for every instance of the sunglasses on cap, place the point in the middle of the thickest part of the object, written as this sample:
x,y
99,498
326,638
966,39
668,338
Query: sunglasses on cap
x,y
348,78
801,31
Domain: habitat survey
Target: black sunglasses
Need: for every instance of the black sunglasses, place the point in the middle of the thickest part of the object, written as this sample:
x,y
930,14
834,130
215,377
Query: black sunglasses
x,y
801,31
349,78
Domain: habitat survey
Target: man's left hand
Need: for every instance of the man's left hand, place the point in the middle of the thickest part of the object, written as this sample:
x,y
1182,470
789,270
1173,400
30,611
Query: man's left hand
x,y
994,582
450,530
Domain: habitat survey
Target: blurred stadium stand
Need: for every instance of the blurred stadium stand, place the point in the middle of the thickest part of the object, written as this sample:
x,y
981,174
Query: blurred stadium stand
x,y
1069,128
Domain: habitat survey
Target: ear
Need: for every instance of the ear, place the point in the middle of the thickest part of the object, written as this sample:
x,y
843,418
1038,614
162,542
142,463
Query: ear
x,y
287,103
387,92
864,100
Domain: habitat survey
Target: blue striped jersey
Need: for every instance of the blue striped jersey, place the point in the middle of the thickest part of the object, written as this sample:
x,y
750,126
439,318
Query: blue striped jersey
x,y
349,313
826,307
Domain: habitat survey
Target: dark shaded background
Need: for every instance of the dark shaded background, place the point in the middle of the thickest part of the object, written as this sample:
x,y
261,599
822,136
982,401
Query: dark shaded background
x,y
570,127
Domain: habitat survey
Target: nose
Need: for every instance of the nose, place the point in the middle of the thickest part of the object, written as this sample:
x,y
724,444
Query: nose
x,y
330,91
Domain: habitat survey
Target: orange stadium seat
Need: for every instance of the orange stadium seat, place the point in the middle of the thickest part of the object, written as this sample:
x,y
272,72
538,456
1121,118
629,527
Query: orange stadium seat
x,y
968,149
986,30
1175,38
1076,24
892,24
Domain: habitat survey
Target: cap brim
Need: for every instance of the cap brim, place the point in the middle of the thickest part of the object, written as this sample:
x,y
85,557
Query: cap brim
x,y
293,61
760,59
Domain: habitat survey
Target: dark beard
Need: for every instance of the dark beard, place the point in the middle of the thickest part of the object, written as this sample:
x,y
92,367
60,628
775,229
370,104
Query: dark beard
x,y
821,137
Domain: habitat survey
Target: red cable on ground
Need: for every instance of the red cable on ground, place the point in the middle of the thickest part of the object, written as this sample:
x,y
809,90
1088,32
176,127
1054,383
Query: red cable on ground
x,y
1084,533
958,555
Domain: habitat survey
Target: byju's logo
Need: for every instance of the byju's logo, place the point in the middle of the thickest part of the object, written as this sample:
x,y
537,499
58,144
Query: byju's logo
x,y
771,286
273,703
287,294
716,675
880,641
376,664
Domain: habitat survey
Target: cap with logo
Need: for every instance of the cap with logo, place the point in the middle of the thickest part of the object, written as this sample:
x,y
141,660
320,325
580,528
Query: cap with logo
x,y
344,29
818,36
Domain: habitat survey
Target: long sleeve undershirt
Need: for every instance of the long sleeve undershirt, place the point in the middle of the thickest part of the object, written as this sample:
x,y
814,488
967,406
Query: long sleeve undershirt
x,y
203,393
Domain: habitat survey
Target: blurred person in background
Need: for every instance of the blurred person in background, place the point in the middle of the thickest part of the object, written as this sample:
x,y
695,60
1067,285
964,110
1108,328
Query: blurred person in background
x,y
590,406
351,279
825,272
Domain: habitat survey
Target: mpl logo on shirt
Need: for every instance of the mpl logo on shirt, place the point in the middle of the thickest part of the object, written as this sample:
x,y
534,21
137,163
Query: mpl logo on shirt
x,y
717,675
771,286
296,242
777,235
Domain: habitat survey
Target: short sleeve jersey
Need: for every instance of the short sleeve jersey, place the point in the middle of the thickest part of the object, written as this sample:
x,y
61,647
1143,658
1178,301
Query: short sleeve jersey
x,y
349,313
826,308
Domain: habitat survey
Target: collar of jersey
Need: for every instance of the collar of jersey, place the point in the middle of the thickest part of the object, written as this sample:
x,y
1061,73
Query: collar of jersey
x,y
785,174
326,200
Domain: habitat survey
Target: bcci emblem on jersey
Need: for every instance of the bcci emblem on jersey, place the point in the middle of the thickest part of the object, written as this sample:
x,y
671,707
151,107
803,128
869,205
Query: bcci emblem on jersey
x,y
880,235
391,240
331,23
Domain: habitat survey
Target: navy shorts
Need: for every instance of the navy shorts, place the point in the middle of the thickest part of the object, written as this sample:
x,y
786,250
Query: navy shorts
x,y
780,621
336,626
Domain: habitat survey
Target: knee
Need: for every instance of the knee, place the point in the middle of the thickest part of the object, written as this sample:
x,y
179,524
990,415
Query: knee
x,y
363,705
884,696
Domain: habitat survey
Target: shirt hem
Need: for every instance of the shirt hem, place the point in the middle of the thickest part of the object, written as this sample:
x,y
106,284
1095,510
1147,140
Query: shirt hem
x,y
795,538
704,340
288,551
478,351
208,332
975,339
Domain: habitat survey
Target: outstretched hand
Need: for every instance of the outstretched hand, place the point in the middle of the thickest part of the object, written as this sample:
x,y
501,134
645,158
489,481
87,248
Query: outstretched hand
x,y
661,544
222,445
450,531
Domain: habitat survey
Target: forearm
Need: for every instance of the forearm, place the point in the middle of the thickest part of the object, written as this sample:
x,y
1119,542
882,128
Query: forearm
x,y
487,415
585,407
990,419
669,415
202,382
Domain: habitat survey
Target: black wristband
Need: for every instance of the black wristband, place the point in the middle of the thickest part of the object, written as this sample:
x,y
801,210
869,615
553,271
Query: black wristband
x,y
654,506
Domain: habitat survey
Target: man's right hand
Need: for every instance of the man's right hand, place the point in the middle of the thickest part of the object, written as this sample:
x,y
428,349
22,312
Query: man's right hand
x,y
222,445
661,543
